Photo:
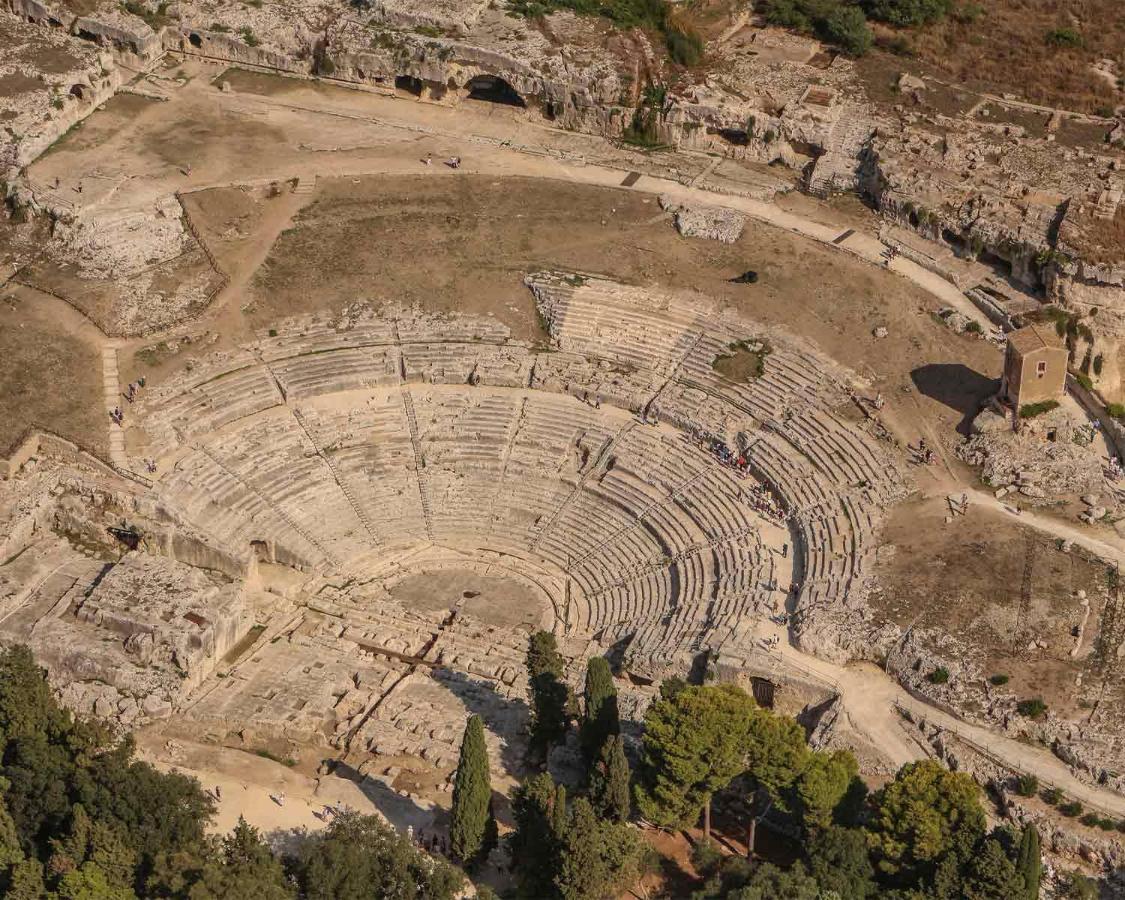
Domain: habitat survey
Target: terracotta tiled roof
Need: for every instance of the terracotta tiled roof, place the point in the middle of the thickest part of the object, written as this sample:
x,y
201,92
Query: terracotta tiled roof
x,y
1034,337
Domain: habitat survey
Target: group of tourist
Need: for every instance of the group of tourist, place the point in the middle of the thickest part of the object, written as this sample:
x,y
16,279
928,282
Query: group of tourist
x,y
130,394
433,842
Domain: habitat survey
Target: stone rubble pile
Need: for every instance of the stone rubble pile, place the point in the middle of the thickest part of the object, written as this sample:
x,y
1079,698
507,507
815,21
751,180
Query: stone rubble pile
x,y
700,220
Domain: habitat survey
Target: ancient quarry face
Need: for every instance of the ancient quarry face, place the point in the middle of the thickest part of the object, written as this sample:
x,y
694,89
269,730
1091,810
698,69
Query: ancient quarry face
x,y
345,346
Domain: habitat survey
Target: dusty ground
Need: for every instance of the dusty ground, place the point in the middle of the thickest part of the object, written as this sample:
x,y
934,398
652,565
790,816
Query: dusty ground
x,y
1005,49
502,602
968,579
50,372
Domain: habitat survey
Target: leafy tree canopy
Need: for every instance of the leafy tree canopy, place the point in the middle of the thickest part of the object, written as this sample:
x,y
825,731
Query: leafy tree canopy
x,y
924,814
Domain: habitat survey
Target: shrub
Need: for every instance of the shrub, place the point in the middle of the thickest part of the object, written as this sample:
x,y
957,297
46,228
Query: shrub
x,y
940,675
1090,820
973,327
1027,785
1051,796
684,46
788,14
1117,410
846,26
898,45
1031,410
1032,708
1083,380
1071,809
1064,37
969,13
907,13
999,680
706,857
1076,886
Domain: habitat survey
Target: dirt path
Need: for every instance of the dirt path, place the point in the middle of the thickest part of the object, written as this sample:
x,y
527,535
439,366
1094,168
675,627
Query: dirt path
x,y
873,702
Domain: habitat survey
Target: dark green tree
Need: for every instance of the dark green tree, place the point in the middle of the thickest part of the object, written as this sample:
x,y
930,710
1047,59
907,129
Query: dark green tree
x,y
26,882
600,719
838,861
550,696
1029,863
907,13
694,744
543,655
846,27
925,815
362,858
597,858
11,855
775,758
991,874
610,782
240,865
472,796
768,882
823,784
559,811
533,844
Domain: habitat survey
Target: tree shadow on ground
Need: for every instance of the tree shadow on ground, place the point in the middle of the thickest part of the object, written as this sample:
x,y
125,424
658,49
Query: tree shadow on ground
x,y
505,717
401,812
957,386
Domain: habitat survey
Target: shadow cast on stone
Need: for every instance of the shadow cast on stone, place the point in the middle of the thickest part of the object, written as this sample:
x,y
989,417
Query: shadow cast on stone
x,y
506,717
957,386
401,812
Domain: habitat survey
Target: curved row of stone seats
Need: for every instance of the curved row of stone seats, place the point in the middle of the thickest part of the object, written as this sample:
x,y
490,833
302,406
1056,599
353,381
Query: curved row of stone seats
x,y
612,613
217,502
416,327
329,372
497,365
593,380
791,378
842,453
372,455
275,458
465,417
608,320
205,405
318,334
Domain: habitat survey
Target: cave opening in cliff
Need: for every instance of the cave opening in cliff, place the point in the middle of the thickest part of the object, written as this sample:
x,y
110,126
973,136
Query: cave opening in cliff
x,y
732,136
77,91
195,40
494,90
409,84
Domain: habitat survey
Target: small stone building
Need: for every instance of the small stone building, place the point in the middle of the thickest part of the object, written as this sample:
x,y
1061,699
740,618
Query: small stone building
x,y
1034,366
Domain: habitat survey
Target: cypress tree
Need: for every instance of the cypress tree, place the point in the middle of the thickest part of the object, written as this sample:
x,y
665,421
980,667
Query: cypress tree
x,y
559,812
549,694
533,844
472,795
543,655
1030,863
582,871
601,719
610,789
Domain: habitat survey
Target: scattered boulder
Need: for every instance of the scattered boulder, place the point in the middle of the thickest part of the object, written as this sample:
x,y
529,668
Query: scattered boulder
x,y
714,222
